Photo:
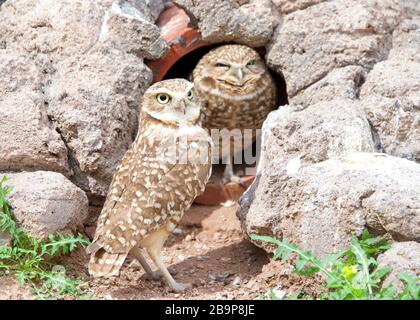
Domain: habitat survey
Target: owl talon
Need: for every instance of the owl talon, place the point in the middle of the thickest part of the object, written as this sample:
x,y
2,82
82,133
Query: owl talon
x,y
236,179
181,287
230,177
157,275
153,276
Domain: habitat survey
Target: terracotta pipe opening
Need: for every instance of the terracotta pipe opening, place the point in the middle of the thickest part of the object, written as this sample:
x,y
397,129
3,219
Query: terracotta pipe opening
x,y
186,49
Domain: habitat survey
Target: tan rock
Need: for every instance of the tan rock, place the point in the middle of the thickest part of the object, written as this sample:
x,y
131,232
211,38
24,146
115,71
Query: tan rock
x,y
311,43
27,137
46,202
322,205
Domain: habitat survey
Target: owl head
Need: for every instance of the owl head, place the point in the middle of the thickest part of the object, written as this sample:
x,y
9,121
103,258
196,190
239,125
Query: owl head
x,y
172,102
230,70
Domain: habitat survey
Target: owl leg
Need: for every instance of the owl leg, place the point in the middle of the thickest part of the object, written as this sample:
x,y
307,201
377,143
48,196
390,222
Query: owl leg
x,y
154,275
229,175
175,286
154,245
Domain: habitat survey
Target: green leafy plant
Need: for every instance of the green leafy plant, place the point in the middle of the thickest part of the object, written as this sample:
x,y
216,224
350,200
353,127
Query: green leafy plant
x,y
31,259
351,274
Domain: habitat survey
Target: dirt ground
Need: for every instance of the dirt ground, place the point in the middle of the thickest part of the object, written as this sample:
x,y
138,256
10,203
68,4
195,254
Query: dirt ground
x,y
209,251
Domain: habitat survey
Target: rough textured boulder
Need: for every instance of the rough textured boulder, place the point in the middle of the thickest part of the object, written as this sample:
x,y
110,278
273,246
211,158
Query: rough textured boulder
x,y
396,125
402,257
91,75
27,136
46,202
337,34
314,134
340,83
50,30
411,7
287,6
399,75
131,30
95,109
391,95
321,206
250,23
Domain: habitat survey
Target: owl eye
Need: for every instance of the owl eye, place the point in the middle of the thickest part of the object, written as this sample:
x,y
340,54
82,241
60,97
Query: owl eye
x,y
163,98
190,95
251,63
222,65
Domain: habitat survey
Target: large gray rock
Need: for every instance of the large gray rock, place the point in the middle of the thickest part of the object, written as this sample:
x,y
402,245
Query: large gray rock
x,y
90,59
340,83
391,95
314,134
145,9
65,28
48,29
396,125
251,23
287,6
321,206
399,75
411,7
46,202
93,101
27,137
402,257
312,42
127,28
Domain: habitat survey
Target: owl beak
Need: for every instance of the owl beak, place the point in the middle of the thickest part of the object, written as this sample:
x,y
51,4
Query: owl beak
x,y
183,106
238,74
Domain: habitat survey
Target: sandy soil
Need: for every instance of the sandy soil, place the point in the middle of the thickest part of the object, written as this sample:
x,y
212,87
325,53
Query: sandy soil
x,y
210,252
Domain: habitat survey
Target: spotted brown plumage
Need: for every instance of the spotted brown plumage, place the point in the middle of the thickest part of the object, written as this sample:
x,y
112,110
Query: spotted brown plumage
x,y
159,177
237,92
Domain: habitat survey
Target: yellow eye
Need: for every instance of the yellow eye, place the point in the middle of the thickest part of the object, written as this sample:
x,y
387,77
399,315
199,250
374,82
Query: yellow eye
x,y
163,98
190,95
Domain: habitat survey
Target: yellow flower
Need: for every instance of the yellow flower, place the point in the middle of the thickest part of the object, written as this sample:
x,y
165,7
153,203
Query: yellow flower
x,y
349,271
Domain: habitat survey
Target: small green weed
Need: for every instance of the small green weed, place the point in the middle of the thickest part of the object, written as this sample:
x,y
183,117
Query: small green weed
x,y
352,274
31,259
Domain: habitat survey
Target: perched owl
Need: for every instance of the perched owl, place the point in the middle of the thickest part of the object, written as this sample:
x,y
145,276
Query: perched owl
x,y
167,166
236,92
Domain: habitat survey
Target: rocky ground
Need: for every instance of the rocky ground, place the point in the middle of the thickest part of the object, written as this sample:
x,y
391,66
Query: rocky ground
x,y
210,252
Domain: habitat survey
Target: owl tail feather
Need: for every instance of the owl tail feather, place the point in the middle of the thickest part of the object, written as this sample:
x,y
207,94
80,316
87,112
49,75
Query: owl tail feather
x,y
104,264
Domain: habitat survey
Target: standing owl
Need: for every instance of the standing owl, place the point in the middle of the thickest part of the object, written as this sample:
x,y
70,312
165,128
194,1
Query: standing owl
x,y
237,92
166,167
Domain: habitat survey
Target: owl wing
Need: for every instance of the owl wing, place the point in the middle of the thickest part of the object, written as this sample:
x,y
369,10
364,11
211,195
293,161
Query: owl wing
x,y
116,188
118,184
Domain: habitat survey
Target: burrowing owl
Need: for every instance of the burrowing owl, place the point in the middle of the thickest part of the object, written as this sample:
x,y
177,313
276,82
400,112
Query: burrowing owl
x,y
236,92
167,166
